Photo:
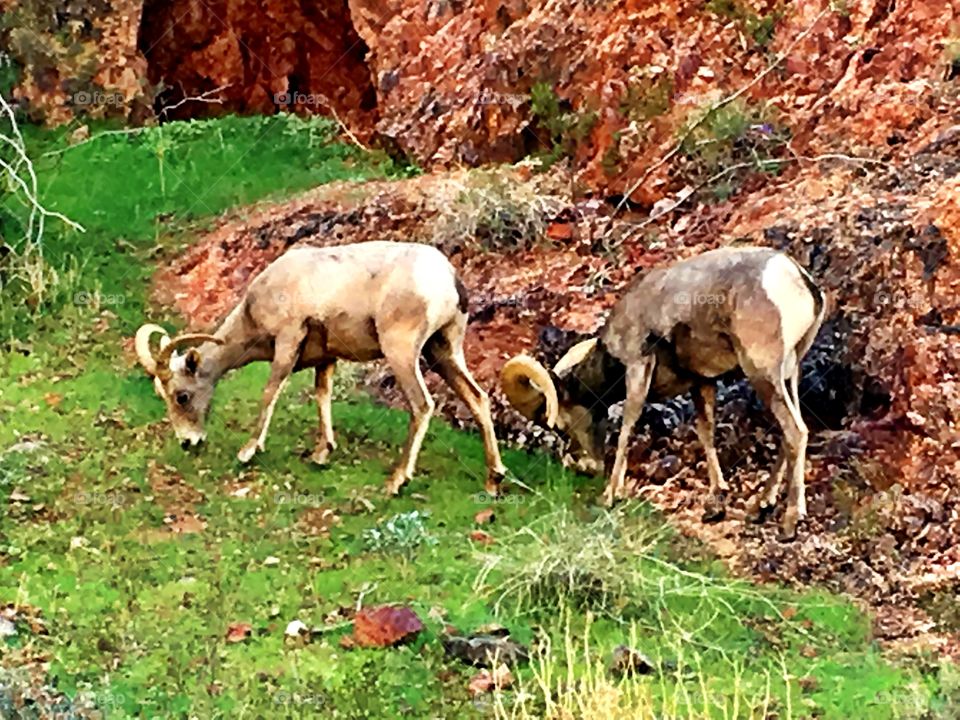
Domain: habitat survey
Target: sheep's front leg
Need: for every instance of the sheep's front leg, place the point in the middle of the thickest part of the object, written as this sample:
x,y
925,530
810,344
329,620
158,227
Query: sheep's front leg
x,y
705,400
402,351
323,388
286,350
638,385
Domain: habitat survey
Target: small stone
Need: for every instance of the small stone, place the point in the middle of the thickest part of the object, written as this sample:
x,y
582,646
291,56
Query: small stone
x,y
666,468
296,628
627,661
7,628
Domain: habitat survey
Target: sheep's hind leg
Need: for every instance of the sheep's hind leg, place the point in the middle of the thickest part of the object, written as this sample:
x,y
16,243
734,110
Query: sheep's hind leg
x,y
286,350
705,399
451,366
323,389
780,399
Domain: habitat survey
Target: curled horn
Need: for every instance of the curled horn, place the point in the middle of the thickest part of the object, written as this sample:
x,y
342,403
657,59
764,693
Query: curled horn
x,y
527,385
166,351
574,356
142,346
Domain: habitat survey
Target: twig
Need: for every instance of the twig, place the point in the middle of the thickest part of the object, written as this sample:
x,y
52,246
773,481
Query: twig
x,y
343,126
346,130
29,187
92,138
723,102
741,166
203,97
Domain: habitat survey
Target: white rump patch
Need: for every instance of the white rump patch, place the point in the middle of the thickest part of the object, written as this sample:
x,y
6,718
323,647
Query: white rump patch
x,y
784,285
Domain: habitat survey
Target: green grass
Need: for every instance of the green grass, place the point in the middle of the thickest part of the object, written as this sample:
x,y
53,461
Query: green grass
x,y
137,616
133,192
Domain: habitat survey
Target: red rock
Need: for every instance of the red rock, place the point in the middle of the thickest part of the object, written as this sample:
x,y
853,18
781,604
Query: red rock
x,y
484,516
385,625
238,632
484,538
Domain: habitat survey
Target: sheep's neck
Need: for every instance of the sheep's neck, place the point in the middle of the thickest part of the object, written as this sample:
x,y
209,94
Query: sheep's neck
x,y
240,347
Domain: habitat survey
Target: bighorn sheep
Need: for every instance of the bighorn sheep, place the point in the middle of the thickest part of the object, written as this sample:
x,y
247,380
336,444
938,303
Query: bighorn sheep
x,y
313,306
679,328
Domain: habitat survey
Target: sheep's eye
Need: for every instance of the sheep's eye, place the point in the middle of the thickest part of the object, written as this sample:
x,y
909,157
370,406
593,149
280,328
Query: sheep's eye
x,y
182,398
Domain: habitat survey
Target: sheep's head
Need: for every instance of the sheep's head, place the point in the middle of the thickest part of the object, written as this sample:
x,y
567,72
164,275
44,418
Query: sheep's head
x,y
555,399
179,379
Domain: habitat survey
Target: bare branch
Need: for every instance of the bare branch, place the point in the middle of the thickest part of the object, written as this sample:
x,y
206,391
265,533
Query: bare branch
x,y
204,97
21,175
688,193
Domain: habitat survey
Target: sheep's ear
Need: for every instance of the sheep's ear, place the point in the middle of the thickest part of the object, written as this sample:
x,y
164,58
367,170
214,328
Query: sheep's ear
x,y
191,361
158,388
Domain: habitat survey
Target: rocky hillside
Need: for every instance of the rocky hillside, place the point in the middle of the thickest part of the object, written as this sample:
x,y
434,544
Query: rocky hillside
x,y
610,86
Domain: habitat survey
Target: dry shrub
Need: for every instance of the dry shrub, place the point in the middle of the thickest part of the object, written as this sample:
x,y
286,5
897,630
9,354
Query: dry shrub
x,y
499,209
562,561
579,687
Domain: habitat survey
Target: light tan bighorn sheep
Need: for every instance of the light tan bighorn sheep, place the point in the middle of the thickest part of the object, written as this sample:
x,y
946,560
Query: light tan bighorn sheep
x,y
313,306
682,328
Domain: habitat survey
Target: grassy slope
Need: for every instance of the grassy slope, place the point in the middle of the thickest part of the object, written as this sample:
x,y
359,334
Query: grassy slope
x,y
138,615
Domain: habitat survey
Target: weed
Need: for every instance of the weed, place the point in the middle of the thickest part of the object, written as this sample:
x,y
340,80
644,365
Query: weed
x,y
564,127
759,27
734,137
562,560
648,95
573,682
403,533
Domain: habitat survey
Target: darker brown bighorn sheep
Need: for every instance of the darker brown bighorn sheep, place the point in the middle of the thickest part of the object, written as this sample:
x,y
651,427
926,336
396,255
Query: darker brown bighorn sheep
x,y
681,328
313,306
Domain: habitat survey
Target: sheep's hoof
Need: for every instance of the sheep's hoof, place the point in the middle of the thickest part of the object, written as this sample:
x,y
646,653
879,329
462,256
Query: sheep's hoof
x,y
395,483
321,456
493,483
759,513
248,451
713,511
588,466
788,532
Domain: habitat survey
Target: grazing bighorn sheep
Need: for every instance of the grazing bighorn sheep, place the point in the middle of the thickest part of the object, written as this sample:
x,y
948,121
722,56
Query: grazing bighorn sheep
x,y
313,306
679,328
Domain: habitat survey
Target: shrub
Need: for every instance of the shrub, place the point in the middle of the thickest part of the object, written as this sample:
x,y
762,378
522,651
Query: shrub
x,y
728,142
565,127
403,533
494,209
